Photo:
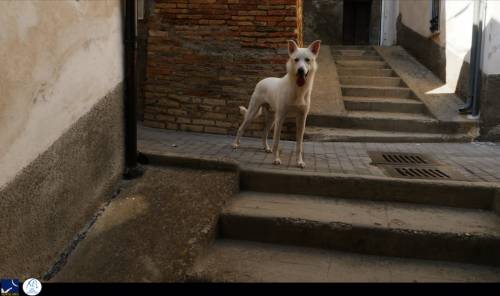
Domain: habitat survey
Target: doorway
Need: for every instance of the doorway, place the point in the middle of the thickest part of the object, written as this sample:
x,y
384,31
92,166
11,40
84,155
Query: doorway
x,y
356,27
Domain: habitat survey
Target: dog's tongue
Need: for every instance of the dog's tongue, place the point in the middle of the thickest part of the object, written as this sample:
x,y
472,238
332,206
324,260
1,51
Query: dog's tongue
x,y
301,80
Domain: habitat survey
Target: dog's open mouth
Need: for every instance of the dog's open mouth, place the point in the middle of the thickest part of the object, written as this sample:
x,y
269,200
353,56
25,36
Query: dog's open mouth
x,y
301,79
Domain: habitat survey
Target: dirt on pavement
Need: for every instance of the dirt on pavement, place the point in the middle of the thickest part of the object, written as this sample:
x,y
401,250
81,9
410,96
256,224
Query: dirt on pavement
x,y
154,229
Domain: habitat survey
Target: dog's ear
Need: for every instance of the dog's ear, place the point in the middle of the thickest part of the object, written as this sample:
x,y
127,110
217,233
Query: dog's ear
x,y
292,47
314,47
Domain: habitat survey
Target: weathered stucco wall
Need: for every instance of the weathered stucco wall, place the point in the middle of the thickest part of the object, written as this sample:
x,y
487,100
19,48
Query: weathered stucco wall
x,y
490,87
491,59
57,59
415,15
456,37
447,52
390,12
61,125
323,20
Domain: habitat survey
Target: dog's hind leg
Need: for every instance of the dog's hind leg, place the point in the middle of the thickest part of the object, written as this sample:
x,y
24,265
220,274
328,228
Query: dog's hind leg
x,y
269,122
250,114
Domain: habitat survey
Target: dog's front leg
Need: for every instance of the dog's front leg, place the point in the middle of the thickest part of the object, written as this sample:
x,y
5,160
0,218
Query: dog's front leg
x,y
301,125
269,117
280,118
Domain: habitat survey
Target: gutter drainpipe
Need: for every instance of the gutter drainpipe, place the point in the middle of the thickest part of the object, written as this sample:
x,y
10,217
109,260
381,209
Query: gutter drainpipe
x,y
472,105
132,169
382,19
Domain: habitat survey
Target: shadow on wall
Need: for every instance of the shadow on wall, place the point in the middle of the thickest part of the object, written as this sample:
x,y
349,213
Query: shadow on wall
x,y
433,54
462,88
426,50
489,84
489,105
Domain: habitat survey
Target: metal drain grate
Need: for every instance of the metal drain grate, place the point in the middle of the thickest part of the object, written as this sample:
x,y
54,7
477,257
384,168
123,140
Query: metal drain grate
x,y
422,172
379,157
428,172
413,166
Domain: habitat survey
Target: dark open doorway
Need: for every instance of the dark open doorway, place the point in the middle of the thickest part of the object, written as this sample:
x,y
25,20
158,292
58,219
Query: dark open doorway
x,y
356,27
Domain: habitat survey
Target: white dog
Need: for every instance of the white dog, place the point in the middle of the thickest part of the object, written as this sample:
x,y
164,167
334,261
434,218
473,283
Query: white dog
x,y
289,94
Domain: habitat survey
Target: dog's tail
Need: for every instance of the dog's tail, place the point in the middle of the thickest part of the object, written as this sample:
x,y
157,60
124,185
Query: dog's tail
x,y
244,111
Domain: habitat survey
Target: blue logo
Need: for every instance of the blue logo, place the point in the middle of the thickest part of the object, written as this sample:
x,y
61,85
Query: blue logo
x,y
10,287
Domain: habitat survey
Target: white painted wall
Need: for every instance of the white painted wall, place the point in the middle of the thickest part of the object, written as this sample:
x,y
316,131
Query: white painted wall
x,y
57,60
416,15
455,34
390,12
491,53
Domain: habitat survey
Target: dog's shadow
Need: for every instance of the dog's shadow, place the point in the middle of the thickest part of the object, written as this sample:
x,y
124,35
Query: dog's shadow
x,y
258,150
247,149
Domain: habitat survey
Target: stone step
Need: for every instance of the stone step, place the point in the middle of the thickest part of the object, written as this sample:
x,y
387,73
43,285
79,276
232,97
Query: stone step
x,y
376,91
390,121
365,72
371,81
357,58
239,261
362,64
350,52
376,228
384,105
353,47
459,194
322,134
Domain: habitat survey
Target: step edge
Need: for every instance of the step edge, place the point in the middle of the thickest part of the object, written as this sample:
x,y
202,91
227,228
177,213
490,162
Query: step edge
x,y
227,212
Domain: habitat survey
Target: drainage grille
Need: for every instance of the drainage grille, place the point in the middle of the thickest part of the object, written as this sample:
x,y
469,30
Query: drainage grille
x,y
413,166
398,158
428,172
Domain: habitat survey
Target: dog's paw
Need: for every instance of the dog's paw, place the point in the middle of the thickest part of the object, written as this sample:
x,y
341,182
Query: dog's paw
x,y
268,150
235,145
277,161
301,164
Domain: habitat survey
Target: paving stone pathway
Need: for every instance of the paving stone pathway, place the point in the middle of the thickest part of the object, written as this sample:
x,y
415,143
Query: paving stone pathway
x,y
479,161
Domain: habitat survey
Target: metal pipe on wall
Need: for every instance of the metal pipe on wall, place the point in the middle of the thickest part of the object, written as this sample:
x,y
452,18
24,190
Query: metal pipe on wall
x,y
472,103
132,169
382,20
476,92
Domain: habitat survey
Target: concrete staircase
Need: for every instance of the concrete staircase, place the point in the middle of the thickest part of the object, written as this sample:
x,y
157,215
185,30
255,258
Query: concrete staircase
x,y
295,226
380,106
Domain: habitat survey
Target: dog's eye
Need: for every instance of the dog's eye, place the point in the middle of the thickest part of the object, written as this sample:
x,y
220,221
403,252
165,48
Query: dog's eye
x,y
308,60
297,59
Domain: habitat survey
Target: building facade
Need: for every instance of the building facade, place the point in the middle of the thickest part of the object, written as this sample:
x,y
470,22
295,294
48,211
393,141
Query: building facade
x,y
447,50
204,57
61,124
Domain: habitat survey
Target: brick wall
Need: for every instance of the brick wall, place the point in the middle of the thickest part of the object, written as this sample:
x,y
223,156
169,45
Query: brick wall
x,y
205,57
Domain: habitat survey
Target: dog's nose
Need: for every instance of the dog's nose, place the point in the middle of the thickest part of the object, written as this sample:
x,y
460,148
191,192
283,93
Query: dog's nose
x,y
301,71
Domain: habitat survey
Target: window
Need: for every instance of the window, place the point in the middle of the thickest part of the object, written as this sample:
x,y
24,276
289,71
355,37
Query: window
x,y
435,7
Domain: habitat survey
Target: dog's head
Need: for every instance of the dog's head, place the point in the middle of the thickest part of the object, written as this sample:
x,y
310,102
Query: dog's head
x,y
302,61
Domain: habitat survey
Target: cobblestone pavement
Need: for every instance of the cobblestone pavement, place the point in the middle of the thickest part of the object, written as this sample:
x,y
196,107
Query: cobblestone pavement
x,y
478,161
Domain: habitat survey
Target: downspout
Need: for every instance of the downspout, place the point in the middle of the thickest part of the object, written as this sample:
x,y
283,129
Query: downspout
x,y
382,19
476,92
472,104
132,169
